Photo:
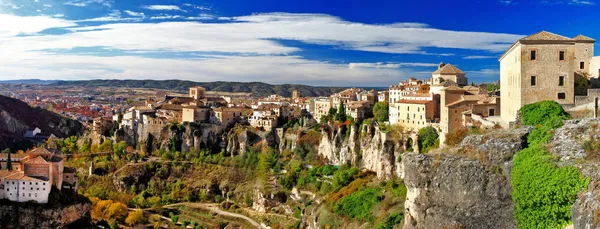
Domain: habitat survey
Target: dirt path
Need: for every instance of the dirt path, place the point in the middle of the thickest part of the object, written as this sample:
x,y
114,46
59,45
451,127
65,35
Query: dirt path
x,y
215,208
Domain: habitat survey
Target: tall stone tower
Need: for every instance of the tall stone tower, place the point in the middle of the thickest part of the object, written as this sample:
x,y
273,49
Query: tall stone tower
x,y
295,94
197,92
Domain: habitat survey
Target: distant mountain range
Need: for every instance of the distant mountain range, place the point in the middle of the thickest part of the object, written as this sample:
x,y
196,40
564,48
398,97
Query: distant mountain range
x,y
29,81
256,88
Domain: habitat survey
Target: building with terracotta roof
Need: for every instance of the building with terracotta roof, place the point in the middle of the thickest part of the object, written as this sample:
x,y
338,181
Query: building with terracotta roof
x,y
543,66
33,176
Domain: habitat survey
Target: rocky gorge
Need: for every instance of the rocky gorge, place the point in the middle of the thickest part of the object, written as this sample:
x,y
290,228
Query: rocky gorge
x,y
466,186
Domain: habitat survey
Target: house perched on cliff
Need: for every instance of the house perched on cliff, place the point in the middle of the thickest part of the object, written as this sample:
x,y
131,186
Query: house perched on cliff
x,y
543,66
33,175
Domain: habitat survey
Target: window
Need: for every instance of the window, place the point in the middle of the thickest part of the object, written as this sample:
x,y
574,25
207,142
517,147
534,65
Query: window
x,y
561,55
561,81
581,65
533,81
562,95
533,54
491,112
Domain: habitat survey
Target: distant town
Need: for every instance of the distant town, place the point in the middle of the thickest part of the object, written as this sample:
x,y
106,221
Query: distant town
x,y
543,66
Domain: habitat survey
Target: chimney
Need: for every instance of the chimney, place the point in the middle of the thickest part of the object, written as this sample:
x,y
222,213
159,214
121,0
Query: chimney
x,y
441,65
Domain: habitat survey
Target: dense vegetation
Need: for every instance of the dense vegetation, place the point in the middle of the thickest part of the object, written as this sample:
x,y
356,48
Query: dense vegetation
x,y
428,139
543,192
359,204
256,88
381,111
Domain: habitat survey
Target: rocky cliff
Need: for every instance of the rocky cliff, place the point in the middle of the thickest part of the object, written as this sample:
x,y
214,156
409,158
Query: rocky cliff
x,y
469,187
24,215
468,190
368,148
16,117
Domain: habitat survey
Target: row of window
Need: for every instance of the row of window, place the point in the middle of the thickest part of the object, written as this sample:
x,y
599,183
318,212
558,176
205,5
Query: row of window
x,y
30,183
561,57
561,80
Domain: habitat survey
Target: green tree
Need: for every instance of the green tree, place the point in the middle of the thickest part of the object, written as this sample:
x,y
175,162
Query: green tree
x,y
492,87
340,116
119,118
381,111
428,139
331,113
119,149
8,160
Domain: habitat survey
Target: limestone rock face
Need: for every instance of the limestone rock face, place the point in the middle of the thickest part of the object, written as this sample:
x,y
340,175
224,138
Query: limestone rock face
x,y
335,149
369,148
471,191
585,209
18,215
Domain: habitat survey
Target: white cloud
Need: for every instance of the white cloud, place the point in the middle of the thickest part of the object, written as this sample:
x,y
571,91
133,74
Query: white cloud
x,y
134,14
201,17
11,25
389,65
83,3
568,2
36,0
507,2
487,71
254,38
165,17
162,7
197,6
272,69
479,57
58,15
47,5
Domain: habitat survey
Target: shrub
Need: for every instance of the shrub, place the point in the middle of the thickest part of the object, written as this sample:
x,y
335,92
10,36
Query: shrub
x,y
359,205
428,139
134,217
390,221
543,113
343,176
542,192
455,137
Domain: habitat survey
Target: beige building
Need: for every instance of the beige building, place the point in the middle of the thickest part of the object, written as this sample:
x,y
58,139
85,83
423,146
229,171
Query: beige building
x,y
413,114
357,109
321,107
540,67
197,92
226,115
195,114
461,107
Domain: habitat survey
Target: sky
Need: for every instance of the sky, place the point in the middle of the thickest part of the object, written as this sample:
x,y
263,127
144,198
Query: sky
x,y
322,43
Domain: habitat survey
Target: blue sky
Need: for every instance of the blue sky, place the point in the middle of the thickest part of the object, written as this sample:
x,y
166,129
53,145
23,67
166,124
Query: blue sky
x,y
328,43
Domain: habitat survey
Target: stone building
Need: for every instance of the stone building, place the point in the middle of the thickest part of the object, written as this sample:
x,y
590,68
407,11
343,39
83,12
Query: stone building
x,y
321,107
225,116
34,175
542,66
357,109
296,94
197,92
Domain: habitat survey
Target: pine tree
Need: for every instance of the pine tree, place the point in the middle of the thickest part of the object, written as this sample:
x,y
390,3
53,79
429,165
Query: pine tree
x,y
9,162
341,113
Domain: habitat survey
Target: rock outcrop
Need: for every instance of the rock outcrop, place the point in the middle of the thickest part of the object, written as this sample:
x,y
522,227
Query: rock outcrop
x,y
23,215
468,190
370,148
17,117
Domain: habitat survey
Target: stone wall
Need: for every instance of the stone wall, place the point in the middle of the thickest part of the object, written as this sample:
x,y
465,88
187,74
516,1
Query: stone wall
x,y
592,93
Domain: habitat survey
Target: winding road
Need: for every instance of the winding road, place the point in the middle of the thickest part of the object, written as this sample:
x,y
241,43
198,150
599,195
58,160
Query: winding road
x,y
215,208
